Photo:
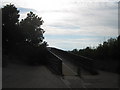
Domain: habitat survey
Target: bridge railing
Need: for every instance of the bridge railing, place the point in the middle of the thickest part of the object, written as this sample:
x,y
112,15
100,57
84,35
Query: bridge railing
x,y
54,63
79,61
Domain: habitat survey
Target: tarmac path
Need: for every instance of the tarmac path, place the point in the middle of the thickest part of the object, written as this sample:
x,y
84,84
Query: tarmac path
x,y
102,80
25,76
22,76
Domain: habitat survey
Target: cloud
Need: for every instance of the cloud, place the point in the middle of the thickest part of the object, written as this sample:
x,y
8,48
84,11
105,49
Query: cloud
x,y
96,22
70,44
86,31
74,23
64,26
94,19
93,16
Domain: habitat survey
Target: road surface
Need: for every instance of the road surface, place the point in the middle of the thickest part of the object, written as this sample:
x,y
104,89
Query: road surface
x,y
86,80
24,76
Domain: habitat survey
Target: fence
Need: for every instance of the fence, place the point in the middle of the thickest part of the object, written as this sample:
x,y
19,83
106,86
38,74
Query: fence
x,y
54,63
84,62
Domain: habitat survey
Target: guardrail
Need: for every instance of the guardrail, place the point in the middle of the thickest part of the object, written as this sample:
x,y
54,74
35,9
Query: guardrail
x,y
54,63
79,61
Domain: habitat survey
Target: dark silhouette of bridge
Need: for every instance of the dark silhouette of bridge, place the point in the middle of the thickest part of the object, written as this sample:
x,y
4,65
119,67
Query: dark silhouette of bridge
x,y
63,62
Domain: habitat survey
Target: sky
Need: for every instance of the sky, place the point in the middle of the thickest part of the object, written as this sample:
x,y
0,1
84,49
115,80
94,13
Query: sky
x,y
71,24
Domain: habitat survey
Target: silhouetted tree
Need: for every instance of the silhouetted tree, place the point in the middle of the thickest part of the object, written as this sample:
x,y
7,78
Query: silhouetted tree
x,y
75,51
118,40
25,38
33,38
31,27
10,30
106,55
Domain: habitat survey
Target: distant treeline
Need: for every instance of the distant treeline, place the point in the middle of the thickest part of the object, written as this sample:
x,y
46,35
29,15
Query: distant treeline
x,y
109,50
106,56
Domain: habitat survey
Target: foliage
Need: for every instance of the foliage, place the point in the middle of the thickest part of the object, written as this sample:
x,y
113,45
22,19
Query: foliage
x,y
106,56
10,32
108,50
31,29
22,38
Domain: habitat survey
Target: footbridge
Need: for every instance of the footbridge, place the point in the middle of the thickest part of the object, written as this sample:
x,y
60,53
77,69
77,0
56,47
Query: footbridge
x,y
68,64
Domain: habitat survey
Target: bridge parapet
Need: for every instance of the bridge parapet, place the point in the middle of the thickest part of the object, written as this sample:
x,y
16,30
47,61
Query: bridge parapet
x,y
79,61
54,63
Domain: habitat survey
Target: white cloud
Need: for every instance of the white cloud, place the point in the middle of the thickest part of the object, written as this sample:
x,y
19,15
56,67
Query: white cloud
x,y
74,17
87,31
70,44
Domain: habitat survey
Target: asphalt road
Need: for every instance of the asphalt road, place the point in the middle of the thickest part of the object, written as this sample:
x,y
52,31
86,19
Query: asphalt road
x,y
86,80
24,76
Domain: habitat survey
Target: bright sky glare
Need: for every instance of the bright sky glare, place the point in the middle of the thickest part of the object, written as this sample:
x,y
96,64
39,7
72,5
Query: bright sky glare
x,y
73,24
